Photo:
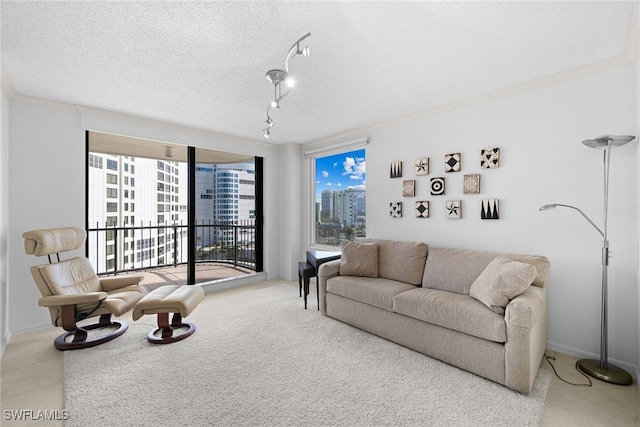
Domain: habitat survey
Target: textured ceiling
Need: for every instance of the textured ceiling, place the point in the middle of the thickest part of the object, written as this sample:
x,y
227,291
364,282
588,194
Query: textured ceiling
x,y
202,64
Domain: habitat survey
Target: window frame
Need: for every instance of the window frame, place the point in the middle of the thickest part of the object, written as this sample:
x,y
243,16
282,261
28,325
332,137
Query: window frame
x,y
312,154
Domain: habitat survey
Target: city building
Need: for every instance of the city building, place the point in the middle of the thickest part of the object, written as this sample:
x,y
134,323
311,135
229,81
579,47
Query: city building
x,y
137,212
131,201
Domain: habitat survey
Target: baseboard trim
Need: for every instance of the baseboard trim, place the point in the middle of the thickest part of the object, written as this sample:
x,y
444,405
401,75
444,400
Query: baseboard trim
x,y
581,354
233,282
4,342
33,328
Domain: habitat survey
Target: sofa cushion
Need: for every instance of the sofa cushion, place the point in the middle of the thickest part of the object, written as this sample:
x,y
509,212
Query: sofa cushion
x,y
401,261
455,270
359,259
502,280
452,311
377,292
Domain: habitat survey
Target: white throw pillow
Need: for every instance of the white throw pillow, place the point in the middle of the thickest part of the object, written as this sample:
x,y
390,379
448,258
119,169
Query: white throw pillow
x,y
502,280
359,259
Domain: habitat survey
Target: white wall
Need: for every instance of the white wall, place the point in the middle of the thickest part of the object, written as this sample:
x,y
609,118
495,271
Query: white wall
x,y
291,202
46,189
4,221
47,179
637,59
539,132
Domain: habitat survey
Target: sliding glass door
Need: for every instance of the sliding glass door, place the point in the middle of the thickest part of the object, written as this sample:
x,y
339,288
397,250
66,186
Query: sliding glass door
x,y
190,211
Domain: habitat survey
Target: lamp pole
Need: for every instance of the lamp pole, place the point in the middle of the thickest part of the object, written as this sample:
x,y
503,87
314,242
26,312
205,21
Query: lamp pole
x,y
602,369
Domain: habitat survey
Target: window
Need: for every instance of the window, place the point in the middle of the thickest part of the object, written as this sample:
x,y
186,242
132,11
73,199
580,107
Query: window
x,y
95,161
165,202
340,198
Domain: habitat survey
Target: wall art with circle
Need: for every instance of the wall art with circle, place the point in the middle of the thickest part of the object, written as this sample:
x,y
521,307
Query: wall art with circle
x,y
471,184
437,186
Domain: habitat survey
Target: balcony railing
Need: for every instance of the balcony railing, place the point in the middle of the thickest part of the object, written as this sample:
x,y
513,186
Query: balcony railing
x,y
114,250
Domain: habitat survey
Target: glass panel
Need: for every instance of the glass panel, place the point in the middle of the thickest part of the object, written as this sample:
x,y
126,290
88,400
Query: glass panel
x,y
340,197
124,236
152,235
225,217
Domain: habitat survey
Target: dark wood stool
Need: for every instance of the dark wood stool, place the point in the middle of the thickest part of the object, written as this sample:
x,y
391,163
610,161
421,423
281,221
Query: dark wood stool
x,y
305,272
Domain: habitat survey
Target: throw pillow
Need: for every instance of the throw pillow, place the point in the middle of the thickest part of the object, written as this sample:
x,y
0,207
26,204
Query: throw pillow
x,y
502,280
359,259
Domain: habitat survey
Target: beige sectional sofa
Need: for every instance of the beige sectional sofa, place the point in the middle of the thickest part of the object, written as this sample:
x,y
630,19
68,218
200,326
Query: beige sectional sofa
x,y
485,312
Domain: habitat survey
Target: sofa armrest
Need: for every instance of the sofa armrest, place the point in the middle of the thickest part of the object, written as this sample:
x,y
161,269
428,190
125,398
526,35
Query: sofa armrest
x,y
524,310
112,283
60,300
326,271
526,321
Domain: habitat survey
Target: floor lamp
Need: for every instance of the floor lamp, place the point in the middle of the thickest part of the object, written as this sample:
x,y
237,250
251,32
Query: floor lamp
x,y
602,369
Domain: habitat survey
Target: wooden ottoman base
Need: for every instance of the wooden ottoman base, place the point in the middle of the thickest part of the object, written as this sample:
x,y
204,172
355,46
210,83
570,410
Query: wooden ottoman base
x,y
180,300
165,332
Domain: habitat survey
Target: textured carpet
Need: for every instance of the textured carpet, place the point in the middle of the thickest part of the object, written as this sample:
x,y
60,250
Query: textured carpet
x,y
260,359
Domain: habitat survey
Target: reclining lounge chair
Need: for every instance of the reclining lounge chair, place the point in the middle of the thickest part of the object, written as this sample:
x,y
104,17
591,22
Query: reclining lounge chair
x,y
73,292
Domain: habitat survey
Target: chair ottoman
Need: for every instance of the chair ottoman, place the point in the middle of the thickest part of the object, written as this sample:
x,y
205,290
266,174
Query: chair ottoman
x,y
178,299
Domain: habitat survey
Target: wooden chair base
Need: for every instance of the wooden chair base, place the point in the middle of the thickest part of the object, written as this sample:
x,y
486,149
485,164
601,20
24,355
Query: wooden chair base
x,y
165,332
80,335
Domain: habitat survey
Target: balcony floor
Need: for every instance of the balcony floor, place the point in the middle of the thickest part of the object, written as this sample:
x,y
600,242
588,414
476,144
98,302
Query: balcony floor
x,y
156,277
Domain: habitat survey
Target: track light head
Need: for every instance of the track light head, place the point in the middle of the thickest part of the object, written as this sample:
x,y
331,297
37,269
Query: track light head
x,y
276,77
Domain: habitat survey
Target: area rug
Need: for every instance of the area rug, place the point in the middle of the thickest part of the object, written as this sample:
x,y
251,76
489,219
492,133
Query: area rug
x,y
260,359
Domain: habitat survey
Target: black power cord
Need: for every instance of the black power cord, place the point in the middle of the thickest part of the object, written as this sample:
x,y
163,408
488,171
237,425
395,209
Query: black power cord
x,y
549,361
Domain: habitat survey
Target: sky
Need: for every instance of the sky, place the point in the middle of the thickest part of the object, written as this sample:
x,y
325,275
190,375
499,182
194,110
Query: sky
x,y
340,172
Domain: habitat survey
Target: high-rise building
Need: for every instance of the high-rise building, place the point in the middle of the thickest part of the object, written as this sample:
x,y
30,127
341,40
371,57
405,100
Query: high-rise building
x,y
225,195
347,207
130,199
138,209
327,211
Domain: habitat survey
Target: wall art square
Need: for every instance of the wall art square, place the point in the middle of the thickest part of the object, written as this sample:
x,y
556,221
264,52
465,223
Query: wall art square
x,y
471,184
422,209
452,162
395,171
437,186
395,209
490,158
422,166
454,209
409,188
490,209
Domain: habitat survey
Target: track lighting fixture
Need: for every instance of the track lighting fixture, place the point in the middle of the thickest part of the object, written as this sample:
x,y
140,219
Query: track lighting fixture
x,y
277,77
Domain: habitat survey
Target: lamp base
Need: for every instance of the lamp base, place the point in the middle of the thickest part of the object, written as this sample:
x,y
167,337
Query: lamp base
x,y
612,374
